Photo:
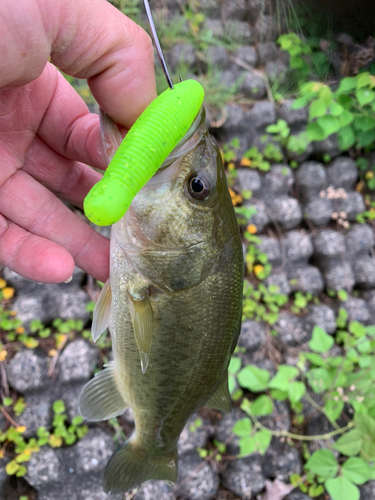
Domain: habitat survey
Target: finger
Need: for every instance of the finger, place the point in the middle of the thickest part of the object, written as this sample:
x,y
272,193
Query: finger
x,y
34,208
67,179
85,39
33,257
67,125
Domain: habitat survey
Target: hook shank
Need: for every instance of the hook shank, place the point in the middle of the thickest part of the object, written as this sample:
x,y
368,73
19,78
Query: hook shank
x,y
157,44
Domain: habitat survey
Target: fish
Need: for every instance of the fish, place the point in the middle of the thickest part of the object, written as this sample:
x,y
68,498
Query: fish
x,y
173,305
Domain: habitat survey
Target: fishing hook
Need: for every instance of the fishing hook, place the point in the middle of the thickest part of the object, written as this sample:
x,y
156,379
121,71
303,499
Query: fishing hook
x,y
157,44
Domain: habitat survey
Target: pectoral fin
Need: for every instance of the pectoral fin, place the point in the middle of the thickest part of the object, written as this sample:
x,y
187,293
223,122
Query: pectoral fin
x,y
100,398
102,312
143,325
221,398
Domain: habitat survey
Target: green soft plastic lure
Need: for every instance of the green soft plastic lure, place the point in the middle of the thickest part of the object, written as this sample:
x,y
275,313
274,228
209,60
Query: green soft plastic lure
x,y
148,143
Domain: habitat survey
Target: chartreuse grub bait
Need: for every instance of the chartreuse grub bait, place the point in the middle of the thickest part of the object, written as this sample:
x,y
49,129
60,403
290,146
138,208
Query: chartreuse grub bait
x,y
148,143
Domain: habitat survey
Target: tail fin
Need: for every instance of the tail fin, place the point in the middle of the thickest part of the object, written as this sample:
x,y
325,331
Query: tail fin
x,y
130,466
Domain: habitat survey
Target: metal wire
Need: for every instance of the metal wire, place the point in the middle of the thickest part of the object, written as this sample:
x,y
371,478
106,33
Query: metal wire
x,y
157,44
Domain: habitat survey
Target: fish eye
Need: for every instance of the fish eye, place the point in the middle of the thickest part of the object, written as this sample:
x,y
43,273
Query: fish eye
x,y
199,186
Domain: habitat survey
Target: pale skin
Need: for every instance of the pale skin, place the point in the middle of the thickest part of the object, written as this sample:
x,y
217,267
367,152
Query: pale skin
x,y
48,137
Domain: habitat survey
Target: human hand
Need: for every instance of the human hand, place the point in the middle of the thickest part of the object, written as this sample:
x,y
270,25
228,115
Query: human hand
x,y
47,134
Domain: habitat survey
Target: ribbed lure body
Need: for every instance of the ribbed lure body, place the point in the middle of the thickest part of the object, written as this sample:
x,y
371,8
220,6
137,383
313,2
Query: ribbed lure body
x,y
148,143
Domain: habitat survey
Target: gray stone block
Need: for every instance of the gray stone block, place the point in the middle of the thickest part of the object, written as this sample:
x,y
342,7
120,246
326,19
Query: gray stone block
x,y
306,279
311,178
323,316
319,211
248,55
281,281
21,284
244,477
339,277
262,115
357,310
298,247
215,26
77,361
328,243
254,8
281,460
196,478
193,437
369,297
223,430
278,180
43,468
181,53
292,330
295,118
252,336
268,51
329,146
238,31
91,453
279,420
154,490
272,248
276,71
297,495
342,172
235,10
368,490
364,272
266,29
218,57
248,180
287,211
261,218
27,371
352,205
359,239
253,86
38,412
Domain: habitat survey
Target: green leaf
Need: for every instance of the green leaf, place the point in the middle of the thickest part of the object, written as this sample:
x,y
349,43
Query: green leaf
x,y
356,470
342,489
7,401
350,443
12,467
363,80
318,379
329,124
346,118
296,391
365,96
365,425
77,420
364,123
253,378
247,445
317,108
58,407
322,463
234,365
242,427
315,359
366,138
333,409
347,85
315,132
336,109
320,341
283,377
262,406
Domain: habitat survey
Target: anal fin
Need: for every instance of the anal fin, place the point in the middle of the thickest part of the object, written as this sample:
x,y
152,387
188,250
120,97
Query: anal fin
x,y
102,312
100,398
221,398
143,326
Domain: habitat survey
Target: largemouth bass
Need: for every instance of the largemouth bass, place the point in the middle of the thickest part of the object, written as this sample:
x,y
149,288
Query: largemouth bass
x,y
173,306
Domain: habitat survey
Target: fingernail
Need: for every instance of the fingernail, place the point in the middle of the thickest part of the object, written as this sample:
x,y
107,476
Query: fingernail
x,y
69,279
